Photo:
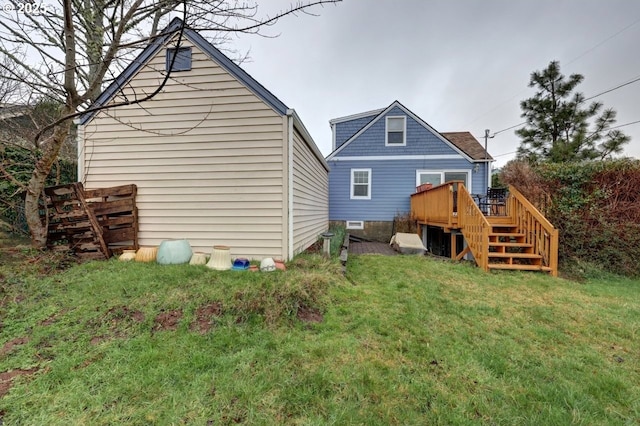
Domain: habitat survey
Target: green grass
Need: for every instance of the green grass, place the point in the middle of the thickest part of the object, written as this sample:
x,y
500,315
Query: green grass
x,y
405,340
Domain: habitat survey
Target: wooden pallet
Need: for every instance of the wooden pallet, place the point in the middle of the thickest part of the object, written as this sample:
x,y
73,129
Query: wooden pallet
x,y
71,223
115,209
93,223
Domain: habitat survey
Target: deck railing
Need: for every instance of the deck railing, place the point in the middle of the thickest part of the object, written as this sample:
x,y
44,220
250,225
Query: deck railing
x,y
441,205
451,206
475,227
537,229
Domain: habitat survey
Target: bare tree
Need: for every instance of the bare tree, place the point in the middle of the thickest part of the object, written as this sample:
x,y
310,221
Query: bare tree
x,y
66,53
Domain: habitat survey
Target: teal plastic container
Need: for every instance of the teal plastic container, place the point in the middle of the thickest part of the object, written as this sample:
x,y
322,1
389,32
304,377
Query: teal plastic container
x,y
174,252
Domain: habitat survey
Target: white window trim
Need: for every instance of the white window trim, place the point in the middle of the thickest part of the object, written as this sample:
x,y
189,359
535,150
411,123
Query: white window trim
x,y
404,131
354,224
351,187
442,172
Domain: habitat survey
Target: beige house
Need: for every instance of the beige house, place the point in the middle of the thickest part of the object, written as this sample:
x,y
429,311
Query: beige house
x,y
217,158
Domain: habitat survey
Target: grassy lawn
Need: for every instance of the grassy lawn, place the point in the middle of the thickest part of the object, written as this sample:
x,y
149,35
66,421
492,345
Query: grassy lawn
x,y
403,340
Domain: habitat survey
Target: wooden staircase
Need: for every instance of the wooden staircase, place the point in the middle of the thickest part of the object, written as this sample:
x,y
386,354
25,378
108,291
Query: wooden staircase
x,y
508,249
510,235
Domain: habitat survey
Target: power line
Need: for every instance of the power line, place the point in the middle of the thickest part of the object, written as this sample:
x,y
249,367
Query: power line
x,y
603,42
623,125
636,79
614,88
611,128
586,52
506,153
509,128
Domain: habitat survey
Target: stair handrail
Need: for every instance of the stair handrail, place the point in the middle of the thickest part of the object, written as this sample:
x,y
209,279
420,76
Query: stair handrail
x,y
475,227
537,229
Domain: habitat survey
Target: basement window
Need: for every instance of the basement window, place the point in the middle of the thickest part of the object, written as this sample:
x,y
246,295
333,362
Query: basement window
x,y
182,61
355,224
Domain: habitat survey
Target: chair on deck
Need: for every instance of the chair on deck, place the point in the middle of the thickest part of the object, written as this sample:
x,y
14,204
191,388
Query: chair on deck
x,y
495,202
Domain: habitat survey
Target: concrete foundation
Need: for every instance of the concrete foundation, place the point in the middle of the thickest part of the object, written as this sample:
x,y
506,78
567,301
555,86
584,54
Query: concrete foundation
x,y
374,231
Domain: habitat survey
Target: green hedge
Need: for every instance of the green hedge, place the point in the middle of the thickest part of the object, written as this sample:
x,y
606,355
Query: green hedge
x,y
595,205
20,163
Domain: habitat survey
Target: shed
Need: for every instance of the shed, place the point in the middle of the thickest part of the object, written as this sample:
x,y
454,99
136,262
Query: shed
x,y
216,157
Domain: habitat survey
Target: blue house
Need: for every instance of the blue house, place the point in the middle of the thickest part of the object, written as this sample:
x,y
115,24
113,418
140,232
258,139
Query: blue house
x,y
380,157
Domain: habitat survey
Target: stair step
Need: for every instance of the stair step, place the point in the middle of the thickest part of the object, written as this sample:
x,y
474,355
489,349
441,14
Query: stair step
x,y
505,244
506,234
515,255
515,267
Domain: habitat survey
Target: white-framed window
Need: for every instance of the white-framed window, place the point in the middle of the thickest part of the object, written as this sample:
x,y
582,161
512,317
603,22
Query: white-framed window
x,y
355,224
437,177
360,184
396,131
462,175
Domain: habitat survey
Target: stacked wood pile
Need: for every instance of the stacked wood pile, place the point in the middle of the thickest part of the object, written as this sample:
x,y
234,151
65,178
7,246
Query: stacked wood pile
x,y
94,223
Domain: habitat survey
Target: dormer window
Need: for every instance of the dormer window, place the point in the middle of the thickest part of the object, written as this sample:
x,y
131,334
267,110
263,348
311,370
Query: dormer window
x,y
182,61
396,134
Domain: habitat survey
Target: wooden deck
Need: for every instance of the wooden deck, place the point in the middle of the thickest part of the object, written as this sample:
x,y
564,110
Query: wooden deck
x,y
509,234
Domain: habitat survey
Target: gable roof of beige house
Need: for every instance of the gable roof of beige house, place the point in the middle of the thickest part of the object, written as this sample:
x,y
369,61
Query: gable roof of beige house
x,y
218,159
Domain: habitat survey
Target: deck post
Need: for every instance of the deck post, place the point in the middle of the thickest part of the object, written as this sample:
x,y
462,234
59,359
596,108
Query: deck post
x,y
454,249
553,261
485,248
423,234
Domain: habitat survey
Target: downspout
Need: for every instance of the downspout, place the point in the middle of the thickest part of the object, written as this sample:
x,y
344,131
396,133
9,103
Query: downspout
x,y
290,118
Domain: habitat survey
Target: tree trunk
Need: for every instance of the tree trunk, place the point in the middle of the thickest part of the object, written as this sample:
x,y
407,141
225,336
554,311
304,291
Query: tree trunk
x,y
35,188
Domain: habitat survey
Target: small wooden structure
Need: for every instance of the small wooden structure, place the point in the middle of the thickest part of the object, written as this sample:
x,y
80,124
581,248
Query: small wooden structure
x,y
513,235
93,224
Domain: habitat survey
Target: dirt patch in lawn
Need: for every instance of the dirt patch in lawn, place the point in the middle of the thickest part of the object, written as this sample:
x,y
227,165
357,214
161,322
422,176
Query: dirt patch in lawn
x,y
205,317
8,347
51,319
118,319
120,314
306,314
167,320
6,379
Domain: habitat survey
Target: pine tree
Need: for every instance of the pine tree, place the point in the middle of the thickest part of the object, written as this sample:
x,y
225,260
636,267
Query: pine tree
x,y
558,122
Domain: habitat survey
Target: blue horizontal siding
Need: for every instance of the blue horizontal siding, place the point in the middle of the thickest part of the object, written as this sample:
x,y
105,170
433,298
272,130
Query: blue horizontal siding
x,y
349,128
479,180
420,141
393,181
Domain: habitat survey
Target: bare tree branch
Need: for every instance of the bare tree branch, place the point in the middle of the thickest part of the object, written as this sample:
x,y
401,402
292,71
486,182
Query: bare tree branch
x,y
66,54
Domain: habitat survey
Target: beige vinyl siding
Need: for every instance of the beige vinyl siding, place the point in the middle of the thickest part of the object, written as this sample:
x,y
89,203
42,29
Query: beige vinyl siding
x,y
310,195
206,154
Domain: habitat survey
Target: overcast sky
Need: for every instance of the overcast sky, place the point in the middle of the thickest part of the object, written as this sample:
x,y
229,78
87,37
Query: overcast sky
x,y
461,65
